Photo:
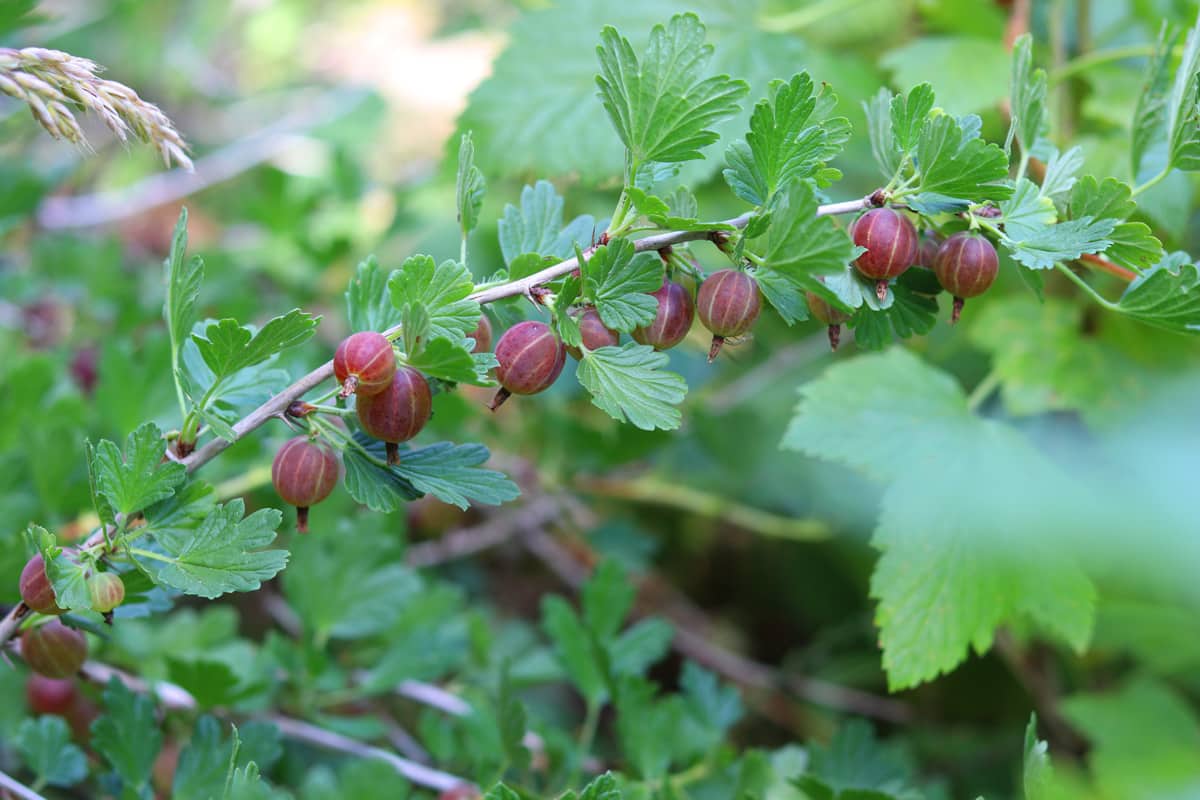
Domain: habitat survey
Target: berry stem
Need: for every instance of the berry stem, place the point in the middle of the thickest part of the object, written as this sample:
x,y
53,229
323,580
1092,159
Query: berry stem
x,y
497,401
715,348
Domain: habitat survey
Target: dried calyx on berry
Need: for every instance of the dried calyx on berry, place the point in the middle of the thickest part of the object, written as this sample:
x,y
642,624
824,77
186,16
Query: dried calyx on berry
x,y
728,304
824,311
672,320
399,412
53,649
304,473
364,364
891,246
530,358
966,266
35,587
592,330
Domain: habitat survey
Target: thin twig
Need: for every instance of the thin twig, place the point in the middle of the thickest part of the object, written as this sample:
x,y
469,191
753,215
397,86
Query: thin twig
x,y
12,786
1104,265
279,403
179,699
496,529
301,731
657,491
12,620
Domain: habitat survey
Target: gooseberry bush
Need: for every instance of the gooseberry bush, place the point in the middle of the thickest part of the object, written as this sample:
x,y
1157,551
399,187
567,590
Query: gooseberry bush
x,y
985,542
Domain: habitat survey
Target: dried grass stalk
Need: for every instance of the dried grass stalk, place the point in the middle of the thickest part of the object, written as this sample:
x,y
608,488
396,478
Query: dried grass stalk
x,y
52,83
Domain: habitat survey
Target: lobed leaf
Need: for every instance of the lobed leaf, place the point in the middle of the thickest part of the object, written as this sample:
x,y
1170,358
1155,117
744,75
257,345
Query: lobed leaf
x,y
443,289
618,280
628,383
138,478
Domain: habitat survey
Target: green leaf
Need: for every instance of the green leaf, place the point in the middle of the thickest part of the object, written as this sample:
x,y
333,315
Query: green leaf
x,y
574,647
469,186
663,107
501,792
443,290
855,766
206,765
1133,244
224,554
618,280
959,558
370,481
528,125
647,727
955,166
1150,116
802,245
1144,739
908,115
127,735
603,787
1061,170
213,683
183,288
629,383
879,131
1167,295
1035,779
452,362
912,312
1065,241
607,598
368,307
784,294
1028,212
511,723
659,212
45,747
1027,92
68,577
452,474
104,510
364,586
415,320
1183,107
967,71
228,347
640,646
137,479
782,146
709,703
537,227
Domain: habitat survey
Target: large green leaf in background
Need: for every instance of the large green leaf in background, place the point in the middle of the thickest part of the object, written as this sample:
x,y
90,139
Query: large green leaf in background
x,y
526,125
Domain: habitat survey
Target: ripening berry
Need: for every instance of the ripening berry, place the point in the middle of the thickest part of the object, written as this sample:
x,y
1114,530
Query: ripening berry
x,y
364,364
530,359
891,242
54,650
304,473
927,249
825,312
398,413
966,265
673,319
728,305
482,335
593,331
107,591
50,695
36,591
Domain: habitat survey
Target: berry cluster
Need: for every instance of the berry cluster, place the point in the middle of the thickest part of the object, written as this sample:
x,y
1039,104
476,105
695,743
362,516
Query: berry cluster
x,y
965,263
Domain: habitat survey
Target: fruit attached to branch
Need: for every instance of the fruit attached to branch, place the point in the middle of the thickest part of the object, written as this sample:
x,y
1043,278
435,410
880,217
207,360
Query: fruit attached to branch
x,y
966,266
673,319
364,364
593,331
399,412
54,650
36,591
728,304
825,312
304,473
530,358
106,590
891,243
